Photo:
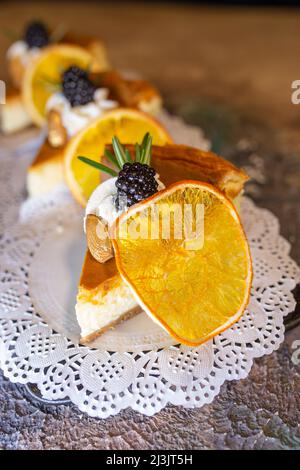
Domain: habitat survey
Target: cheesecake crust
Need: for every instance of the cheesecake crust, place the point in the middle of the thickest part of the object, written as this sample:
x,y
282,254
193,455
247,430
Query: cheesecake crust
x,y
126,316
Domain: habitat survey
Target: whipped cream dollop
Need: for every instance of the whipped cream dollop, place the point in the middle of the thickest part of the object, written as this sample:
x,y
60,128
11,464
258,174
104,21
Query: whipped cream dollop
x,y
102,201
77,117
21,50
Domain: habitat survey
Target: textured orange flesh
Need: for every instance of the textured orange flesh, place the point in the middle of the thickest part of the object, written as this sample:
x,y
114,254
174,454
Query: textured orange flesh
x,y
194,293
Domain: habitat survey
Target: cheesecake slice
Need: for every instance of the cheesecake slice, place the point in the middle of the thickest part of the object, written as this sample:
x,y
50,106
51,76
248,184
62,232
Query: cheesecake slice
x,y
46,171
13,115
104,300
17,64
112,91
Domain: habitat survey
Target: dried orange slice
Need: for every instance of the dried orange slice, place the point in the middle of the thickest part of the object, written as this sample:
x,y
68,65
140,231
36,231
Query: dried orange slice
x,y
194,285
45,71
128,125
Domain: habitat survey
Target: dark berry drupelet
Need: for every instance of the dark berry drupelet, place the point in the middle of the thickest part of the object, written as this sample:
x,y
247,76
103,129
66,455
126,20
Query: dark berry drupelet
x,y
136,181
77,87
36,35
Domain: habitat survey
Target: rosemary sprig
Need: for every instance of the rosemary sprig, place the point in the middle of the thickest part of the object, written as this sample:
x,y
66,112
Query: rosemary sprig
x,y
147,150
112,158
98,165
47,79
145,140
10,34
122,155
128,156
58,33
119,151
50,84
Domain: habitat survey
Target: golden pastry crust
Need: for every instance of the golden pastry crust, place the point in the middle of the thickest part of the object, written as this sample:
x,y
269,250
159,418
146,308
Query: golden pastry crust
x,y
206,166
129,93
171,160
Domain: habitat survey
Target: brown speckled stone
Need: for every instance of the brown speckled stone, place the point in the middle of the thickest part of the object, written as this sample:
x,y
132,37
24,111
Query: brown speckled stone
x,y
239,91
260,412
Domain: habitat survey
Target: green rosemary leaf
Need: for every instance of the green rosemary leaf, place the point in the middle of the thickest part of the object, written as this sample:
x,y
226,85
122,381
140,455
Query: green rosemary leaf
x,y
49,86
112,158
10,34
49,80
98,165
142,155
144,146
145,140
119,151
59,33
147,155
128,156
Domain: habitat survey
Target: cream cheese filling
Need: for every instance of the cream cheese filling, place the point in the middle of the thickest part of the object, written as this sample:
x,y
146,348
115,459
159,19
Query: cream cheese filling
x,y
102,201
76,118
20,49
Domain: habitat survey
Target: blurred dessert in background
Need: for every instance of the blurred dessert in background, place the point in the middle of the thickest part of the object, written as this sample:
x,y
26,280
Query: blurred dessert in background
x,y
70,100
36,37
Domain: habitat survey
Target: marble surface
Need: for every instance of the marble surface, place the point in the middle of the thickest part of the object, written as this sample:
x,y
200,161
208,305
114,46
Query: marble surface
x,y
239,92
260,412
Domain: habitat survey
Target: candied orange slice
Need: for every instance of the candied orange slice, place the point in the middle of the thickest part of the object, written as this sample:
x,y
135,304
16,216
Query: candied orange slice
x,y
195,284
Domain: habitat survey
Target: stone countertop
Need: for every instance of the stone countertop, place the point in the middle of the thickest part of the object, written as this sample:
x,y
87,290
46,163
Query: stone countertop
x,y
229,71
260,412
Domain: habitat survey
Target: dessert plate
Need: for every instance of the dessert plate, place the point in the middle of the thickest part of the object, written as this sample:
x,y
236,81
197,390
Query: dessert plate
x,y
57,278
136,365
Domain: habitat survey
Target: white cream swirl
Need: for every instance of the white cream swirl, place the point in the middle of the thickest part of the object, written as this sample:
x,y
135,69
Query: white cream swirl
x,y
102,201
77,117
20,49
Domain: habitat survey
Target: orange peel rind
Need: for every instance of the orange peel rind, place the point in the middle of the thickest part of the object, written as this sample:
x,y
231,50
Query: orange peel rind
x,y
194,292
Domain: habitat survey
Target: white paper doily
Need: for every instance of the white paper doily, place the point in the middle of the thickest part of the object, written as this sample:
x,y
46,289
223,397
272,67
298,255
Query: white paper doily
x,y
127,368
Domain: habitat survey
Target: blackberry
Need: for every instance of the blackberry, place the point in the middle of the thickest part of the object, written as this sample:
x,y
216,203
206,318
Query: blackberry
x,y
36,35
136,181
77,87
